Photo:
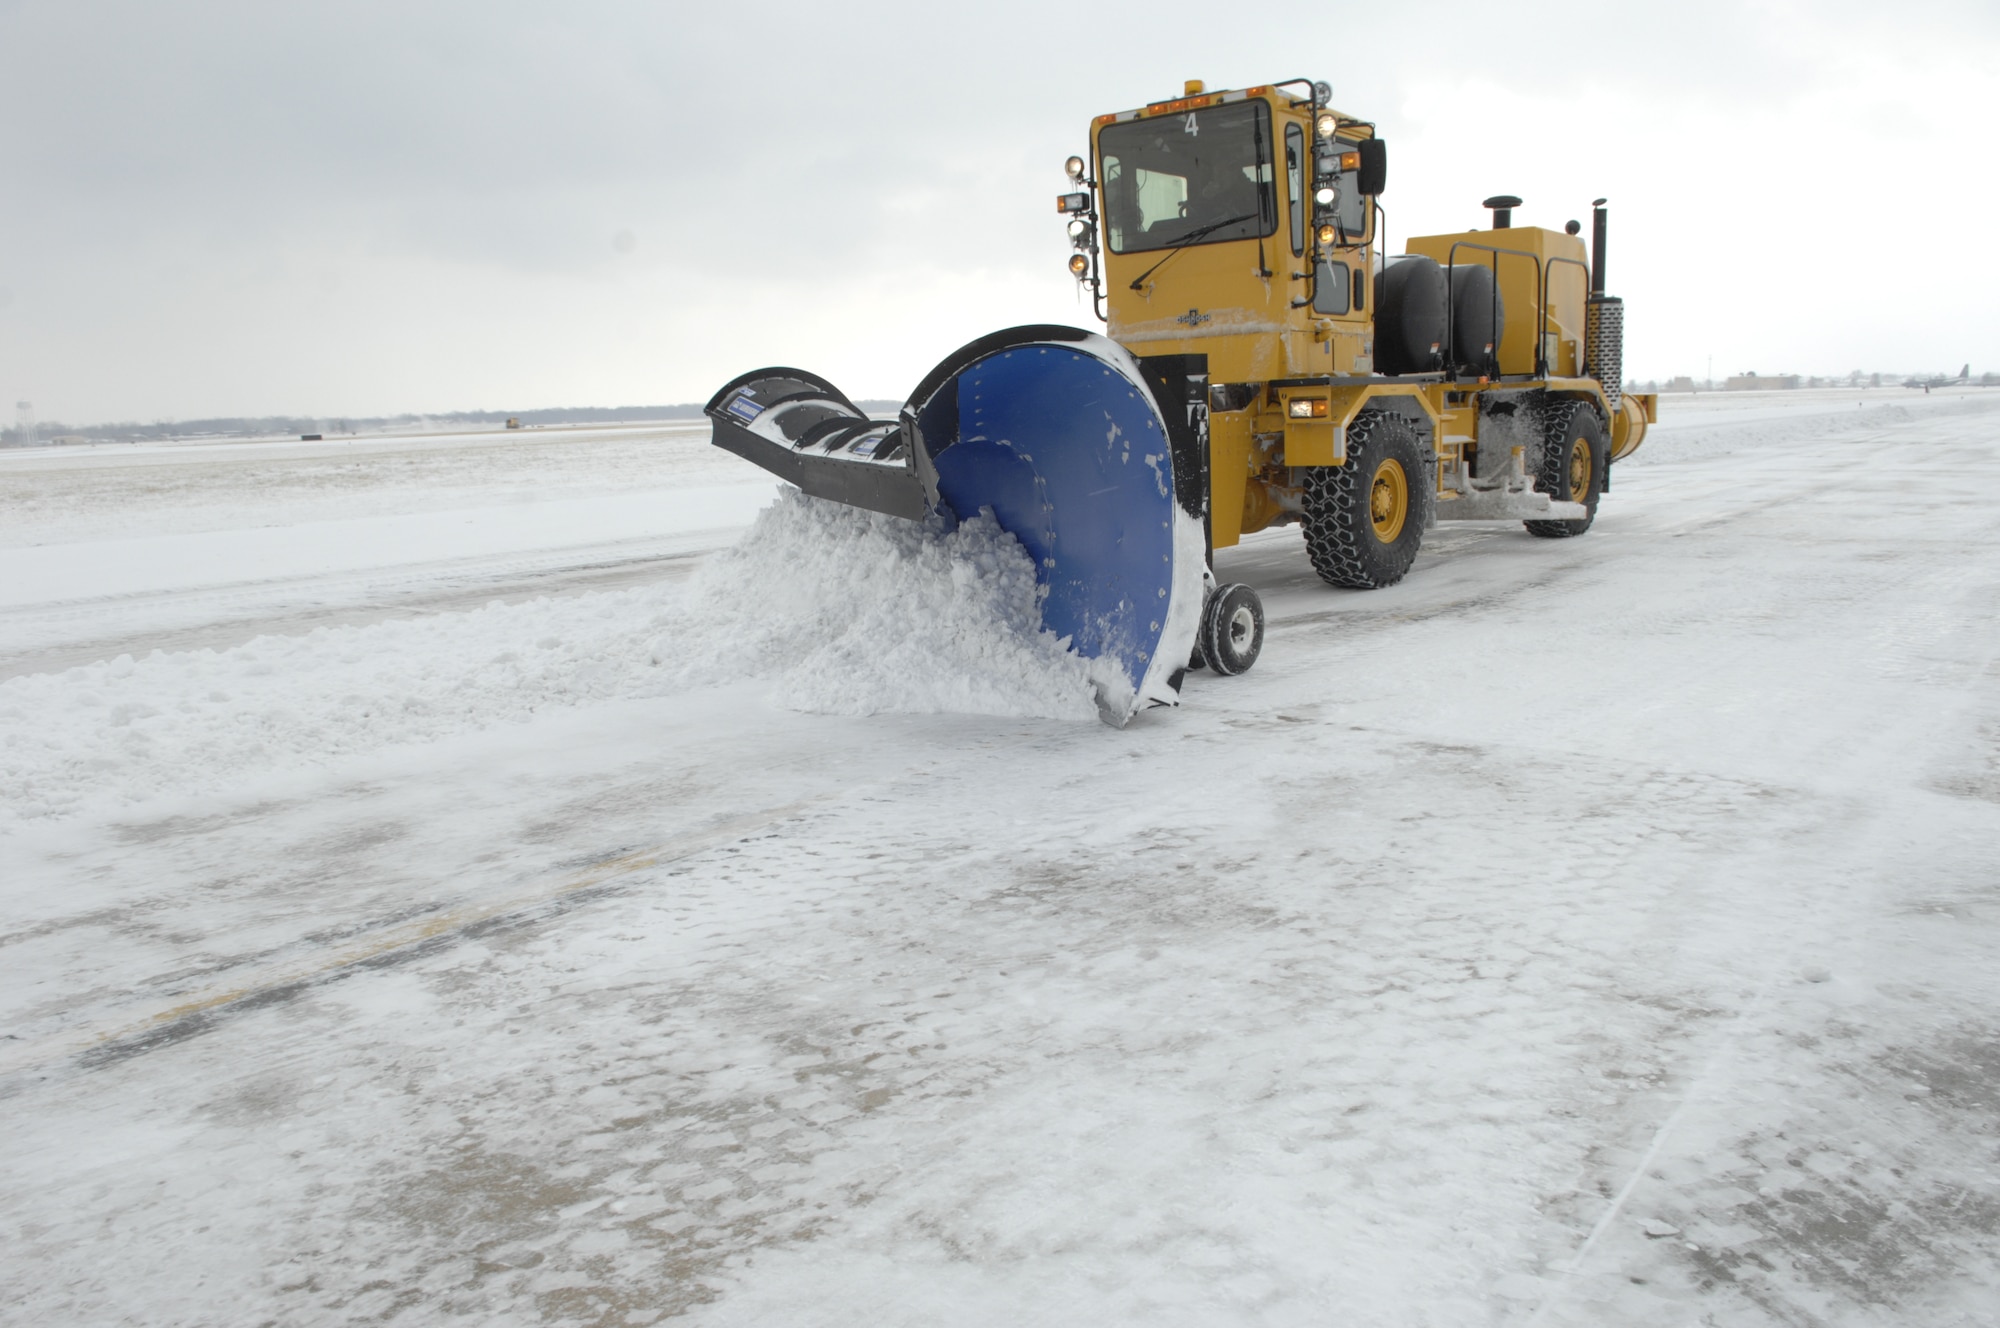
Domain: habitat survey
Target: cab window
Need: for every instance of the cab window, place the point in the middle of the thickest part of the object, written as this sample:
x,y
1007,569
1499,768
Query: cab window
x,y
1197,177
1295,184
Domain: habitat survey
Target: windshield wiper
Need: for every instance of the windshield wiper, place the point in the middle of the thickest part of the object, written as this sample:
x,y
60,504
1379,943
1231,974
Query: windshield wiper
x,y
1190,238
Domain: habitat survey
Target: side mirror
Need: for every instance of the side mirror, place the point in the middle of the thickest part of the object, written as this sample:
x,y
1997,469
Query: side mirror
x,y
1374,172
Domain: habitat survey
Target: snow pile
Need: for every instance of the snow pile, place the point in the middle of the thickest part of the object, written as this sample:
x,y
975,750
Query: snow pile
x,y
855,613
846,612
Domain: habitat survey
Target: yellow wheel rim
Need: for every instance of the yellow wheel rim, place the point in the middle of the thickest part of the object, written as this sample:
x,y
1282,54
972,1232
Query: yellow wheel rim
x,y
1389,500
1579,470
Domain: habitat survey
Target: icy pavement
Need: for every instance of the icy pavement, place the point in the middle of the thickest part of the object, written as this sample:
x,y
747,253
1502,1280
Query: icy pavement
x,y
1582,933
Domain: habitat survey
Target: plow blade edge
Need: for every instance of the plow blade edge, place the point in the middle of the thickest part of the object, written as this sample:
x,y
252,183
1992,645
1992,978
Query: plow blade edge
x,y
1062,437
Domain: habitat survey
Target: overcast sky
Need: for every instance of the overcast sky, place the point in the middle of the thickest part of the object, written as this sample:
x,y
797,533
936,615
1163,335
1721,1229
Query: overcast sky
x,y
362,208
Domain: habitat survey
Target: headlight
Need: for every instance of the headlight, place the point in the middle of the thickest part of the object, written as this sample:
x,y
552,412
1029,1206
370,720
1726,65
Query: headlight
x,y
1073,168
1326,124
1078,265
1078,228
1326,195
1308,408
1327,235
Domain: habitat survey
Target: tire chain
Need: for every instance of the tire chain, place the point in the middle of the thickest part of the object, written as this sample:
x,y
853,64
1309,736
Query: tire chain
x,y
1335,508
1552,477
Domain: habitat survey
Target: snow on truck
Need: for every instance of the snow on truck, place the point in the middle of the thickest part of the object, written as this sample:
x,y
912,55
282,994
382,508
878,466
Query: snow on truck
x,y
1263,363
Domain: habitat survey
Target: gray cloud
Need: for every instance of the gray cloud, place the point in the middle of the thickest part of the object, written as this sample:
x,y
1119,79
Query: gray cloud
x,y
232,207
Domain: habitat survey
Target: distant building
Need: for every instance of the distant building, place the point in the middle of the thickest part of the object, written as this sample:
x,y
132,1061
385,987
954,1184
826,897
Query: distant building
x,y
1680,384
1755,382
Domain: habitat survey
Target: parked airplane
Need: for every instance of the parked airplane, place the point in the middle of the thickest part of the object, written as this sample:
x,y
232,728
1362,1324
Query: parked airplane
x,y
1964,375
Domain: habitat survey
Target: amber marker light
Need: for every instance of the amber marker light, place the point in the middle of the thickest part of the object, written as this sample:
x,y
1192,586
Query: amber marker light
x,y
1176,107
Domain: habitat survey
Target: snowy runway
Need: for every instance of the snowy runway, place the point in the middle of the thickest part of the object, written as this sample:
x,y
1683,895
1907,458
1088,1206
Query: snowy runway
x,y
1579,933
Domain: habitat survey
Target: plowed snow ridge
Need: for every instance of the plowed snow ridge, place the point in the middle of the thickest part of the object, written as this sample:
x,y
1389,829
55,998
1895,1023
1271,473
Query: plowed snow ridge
x,y
844,612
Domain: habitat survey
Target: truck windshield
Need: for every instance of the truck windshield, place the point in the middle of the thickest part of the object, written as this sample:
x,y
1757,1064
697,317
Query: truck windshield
x,y
1171,175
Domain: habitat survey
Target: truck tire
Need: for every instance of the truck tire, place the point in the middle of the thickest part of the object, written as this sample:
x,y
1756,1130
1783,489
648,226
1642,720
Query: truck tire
x,y
1232,630
1365,518
1574,457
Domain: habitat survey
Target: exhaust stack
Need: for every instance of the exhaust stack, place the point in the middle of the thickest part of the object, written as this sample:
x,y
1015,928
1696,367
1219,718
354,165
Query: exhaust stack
x,y
1598,223
1603,320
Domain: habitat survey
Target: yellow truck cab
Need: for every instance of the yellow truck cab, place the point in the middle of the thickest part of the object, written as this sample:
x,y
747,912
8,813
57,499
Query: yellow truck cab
x,y
1473,376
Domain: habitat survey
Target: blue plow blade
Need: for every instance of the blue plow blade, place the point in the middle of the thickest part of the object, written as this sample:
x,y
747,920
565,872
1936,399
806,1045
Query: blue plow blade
x,y
1058,433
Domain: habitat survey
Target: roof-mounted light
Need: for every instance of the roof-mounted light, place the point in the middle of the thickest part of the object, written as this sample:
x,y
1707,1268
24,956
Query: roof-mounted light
x,y
1073,168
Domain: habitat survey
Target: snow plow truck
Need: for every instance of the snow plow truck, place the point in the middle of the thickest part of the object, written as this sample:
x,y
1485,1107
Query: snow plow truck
x,y
1264,362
